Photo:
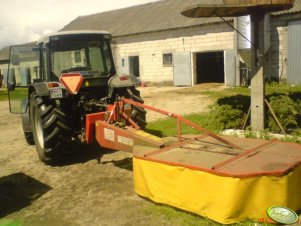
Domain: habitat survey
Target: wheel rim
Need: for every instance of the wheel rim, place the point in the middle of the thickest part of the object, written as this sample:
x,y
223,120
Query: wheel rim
x,y
39,130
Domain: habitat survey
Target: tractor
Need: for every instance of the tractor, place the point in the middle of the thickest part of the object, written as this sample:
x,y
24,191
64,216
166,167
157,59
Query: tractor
x,y
57,82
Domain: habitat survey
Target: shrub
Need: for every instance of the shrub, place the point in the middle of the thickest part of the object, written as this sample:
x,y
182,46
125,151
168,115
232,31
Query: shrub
x,y
298,109
285,110
225,117
241,102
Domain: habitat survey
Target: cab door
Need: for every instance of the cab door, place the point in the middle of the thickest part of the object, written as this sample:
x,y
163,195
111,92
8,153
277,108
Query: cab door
x,y
23,69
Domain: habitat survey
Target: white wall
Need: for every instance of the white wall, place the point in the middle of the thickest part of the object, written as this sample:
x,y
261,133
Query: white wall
x,y
150,47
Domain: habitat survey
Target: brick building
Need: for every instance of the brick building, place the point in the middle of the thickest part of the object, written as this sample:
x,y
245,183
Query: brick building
x,y
156,43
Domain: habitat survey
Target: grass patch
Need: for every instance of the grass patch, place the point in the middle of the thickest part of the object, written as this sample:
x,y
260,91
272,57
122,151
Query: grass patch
x,y
282,88
177,217
270,89
227,92
181,218
168,127
3,94
17,94
10,222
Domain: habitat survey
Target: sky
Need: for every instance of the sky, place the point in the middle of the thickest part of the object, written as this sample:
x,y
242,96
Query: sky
x,y
24,21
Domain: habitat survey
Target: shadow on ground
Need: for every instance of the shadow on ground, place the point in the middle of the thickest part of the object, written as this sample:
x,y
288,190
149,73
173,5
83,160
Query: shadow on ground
x,y
126,163
18,191
82,153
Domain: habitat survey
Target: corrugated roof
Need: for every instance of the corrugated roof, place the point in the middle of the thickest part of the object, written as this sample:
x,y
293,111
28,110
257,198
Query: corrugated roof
x,y
295,9
155,16
4,52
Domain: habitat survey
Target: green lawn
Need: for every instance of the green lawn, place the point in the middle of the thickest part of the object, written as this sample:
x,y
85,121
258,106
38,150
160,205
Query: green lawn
x,y
16,97
182,218
17,94
270,89
3,94
168,127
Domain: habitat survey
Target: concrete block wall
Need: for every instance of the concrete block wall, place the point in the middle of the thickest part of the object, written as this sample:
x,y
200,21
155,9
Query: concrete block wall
x,y
150,47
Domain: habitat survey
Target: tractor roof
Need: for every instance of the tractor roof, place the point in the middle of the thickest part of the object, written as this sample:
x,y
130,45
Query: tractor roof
x,y
46,38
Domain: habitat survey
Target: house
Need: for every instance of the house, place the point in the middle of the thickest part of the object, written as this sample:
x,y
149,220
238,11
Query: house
x,y
160,46
156,43
4,60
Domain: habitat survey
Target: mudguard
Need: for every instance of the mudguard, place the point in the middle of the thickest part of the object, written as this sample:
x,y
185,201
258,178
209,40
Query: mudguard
x,y
42,89
121,81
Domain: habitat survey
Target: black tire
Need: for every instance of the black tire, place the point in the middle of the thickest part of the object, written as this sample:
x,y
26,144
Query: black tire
x,y
26,122
51,133
138,113
29,138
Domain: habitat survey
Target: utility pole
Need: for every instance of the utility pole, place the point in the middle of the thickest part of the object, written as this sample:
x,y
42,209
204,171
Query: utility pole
x,y
257,73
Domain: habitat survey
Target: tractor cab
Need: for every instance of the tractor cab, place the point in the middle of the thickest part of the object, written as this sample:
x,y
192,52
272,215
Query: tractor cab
x,y
87,53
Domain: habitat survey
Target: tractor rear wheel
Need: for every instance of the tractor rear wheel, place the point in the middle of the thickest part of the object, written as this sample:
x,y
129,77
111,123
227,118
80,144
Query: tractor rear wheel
x,y
26,122
51,133
29,138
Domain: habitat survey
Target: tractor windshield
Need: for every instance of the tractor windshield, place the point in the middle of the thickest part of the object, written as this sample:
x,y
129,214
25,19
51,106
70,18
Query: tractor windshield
x,y
91,58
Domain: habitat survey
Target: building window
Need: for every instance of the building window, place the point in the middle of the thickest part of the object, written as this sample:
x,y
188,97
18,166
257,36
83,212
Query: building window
x,y
167,59
77,57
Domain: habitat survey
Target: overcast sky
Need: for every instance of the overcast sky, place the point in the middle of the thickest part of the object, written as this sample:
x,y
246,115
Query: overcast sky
x,y
24,21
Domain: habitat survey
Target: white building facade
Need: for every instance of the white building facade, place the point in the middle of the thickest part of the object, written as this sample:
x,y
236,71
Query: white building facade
x,y
178,56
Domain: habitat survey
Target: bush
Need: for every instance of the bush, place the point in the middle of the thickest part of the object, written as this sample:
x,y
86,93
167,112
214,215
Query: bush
x,y
232,106
286,111
225,117
241,102
230,112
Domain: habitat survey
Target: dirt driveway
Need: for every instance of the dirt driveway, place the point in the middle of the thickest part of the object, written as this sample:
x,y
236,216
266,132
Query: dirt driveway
x,y
80,192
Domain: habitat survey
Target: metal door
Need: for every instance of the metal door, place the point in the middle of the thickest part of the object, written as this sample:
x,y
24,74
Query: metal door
x,y
182,69
294,53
